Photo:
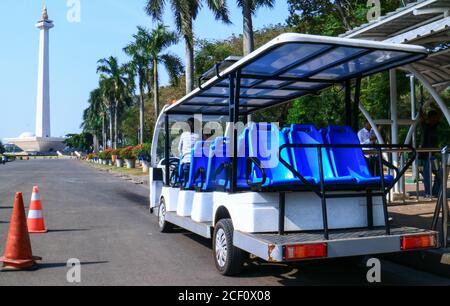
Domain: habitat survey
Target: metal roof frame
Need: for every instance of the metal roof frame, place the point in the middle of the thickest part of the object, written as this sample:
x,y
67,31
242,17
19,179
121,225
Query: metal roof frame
x,y
284,83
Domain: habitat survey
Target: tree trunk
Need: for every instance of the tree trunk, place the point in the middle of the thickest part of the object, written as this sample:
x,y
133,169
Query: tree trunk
x,y
249,43
116,125
141,115
156,88
189,61
341,10
111,131
104,130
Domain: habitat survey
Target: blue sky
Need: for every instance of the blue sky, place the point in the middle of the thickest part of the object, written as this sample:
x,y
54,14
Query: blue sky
x,y
105,28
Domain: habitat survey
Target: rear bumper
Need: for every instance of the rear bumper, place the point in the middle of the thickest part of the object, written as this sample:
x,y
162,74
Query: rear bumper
x,y
345,243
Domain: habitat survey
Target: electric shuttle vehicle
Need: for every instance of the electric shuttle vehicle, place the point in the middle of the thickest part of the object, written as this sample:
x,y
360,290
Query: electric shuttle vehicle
x,y
283,193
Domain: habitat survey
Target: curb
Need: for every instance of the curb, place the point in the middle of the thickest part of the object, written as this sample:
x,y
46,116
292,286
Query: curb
x,y
432,261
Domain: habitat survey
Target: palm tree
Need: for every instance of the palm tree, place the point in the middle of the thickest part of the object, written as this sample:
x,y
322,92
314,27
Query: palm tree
x,y
249,8
185,12
140,69
117,75
159,40
93,117
107,91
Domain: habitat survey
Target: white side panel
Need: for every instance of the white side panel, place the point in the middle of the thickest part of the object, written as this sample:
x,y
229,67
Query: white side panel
x,y
258,212
155,189
185,200
171,197
202,209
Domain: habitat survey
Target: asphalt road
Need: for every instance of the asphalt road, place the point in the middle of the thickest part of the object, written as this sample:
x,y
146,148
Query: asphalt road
x,y
104,222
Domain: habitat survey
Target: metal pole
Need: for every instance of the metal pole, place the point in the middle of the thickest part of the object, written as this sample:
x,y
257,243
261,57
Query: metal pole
x,y
394,117
348,103
166,150
445,209
412,82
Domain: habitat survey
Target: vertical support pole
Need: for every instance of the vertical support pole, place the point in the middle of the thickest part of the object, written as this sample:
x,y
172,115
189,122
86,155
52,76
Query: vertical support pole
x,y
394,117
348,103
412,83
383,190
369,209
234,94
282,213
323,195
167,150
445,209
356,102
231,134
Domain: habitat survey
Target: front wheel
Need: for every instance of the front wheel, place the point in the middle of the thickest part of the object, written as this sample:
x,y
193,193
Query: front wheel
x,y
164,226
229,259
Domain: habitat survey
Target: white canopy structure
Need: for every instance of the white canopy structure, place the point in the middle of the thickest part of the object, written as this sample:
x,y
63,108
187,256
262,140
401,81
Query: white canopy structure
x,y
425,23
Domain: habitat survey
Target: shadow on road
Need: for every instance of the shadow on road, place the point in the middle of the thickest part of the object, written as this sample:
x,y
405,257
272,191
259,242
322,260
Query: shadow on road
x,y
6,207
44,266
68,230
133,197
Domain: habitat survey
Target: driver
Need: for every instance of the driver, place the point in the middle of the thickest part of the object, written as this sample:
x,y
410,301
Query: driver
x,y
187,142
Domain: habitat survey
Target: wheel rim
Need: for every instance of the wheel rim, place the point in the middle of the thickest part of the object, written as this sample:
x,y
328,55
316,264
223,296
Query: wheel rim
x,y
221,248
162,215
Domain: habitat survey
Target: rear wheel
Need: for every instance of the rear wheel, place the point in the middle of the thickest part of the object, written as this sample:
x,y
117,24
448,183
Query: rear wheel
x,y
229,259
164,226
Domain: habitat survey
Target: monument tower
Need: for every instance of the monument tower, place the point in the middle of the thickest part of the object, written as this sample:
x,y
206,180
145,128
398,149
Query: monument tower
x,y
43,85
41,141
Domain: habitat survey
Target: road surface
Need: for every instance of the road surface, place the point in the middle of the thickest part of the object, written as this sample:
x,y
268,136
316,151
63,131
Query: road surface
x,y
104,222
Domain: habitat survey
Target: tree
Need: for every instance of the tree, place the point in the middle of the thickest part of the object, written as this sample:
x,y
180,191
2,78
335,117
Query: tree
x,y
140,60
331,18
184,13
249,8
117,76
2,148
94,119
82,142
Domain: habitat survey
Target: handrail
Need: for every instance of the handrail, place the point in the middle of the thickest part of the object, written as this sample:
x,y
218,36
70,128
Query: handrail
x,y
379,147
257,163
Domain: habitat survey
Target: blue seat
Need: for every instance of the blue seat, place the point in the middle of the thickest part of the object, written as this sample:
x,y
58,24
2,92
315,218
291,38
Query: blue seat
x,y
264,142
350,161
306,160
199,165
218,156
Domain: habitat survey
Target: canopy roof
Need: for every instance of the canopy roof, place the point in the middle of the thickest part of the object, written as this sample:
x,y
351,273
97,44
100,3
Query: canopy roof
x,y
291,66
401,20
425,23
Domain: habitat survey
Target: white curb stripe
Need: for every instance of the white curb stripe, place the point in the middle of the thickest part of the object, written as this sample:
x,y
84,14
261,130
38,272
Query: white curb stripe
x,y
35,214
35,197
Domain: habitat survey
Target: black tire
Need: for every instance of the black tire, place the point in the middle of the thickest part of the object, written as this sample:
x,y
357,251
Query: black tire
x,y
164,226
230,263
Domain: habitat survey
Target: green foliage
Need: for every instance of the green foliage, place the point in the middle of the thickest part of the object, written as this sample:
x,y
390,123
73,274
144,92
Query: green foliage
x,y
82,142
2,148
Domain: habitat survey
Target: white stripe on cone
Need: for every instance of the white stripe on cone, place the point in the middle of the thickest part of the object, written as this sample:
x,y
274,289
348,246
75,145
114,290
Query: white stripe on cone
x,y
35,197
35,214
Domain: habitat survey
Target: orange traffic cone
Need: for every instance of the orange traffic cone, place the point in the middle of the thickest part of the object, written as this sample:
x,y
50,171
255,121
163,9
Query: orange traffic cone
x,y
18,254
36,224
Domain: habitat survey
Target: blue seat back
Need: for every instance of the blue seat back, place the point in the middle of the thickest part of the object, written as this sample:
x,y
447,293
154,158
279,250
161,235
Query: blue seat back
x,y
218,155
306,160
347,161
264,143
199,160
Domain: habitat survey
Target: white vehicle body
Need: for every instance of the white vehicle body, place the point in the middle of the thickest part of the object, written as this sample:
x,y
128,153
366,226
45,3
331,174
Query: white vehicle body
x,y
270,223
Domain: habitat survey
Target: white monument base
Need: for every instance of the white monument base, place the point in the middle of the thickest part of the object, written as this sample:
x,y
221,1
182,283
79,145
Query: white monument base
x,y
38,144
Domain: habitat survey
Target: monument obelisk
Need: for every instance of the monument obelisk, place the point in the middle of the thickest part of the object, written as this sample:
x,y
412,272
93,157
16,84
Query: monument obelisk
x,y
41,141
43,85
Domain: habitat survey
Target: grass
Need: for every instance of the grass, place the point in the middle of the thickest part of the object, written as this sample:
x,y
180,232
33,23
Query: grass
x,y
124,170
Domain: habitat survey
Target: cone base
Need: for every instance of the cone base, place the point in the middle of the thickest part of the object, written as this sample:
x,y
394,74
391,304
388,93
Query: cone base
x,y
18,264
38,232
